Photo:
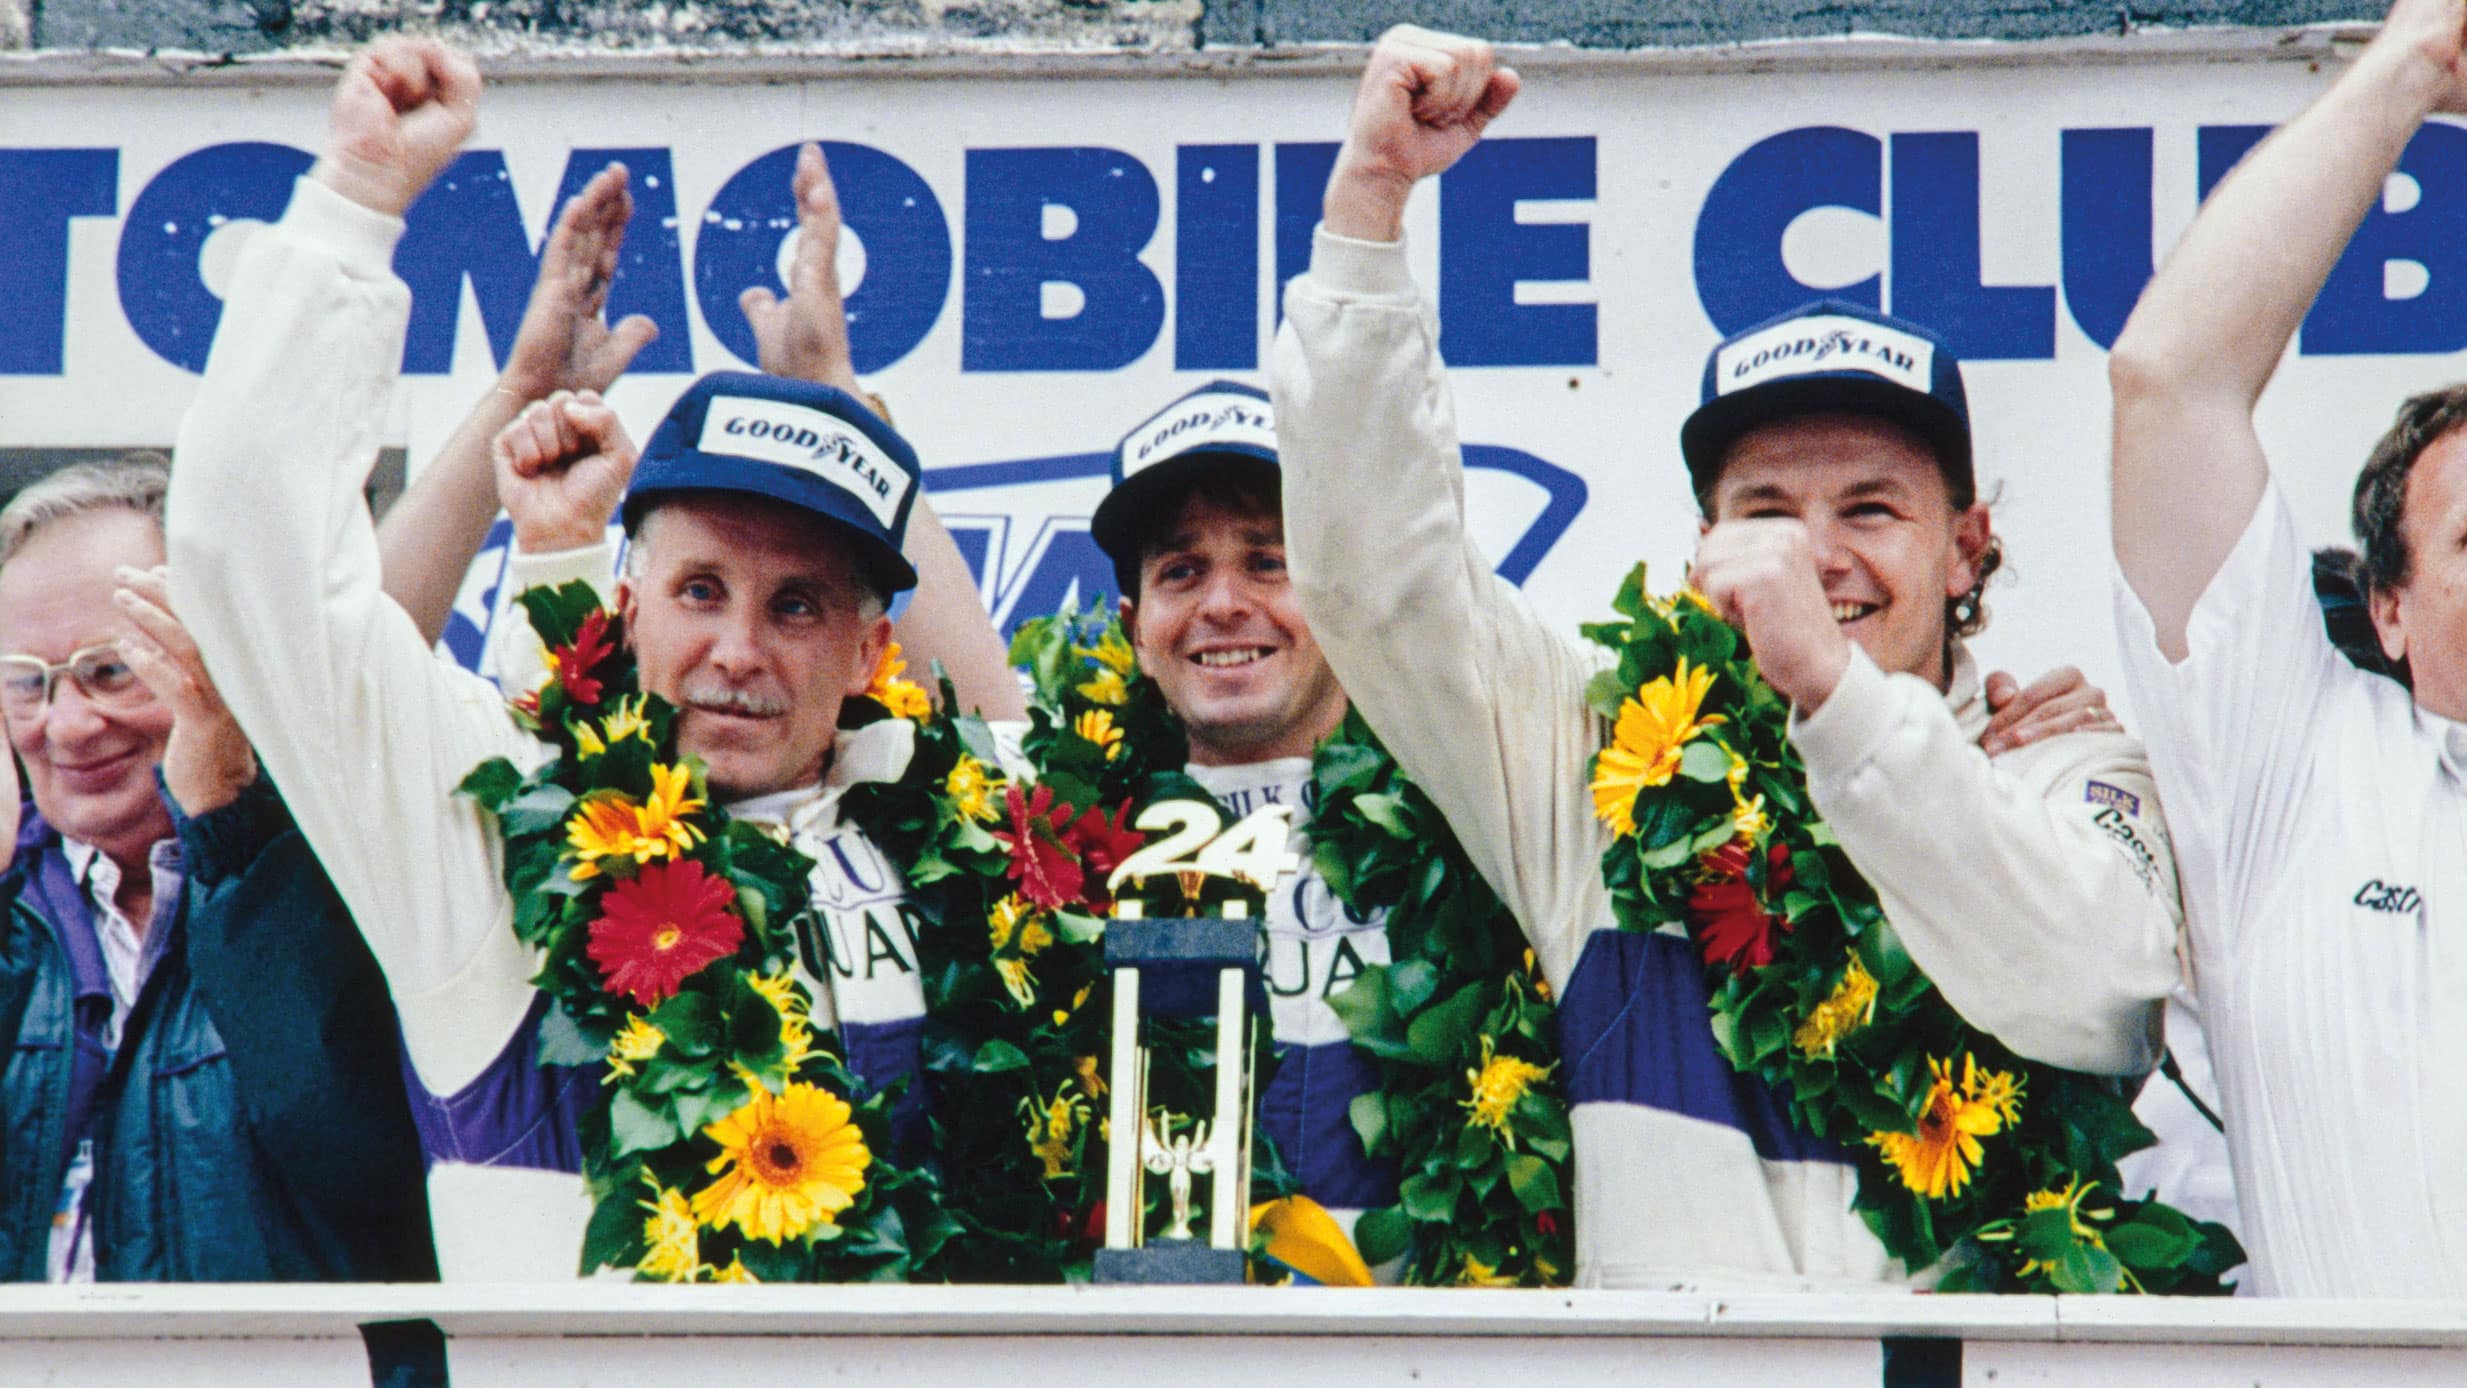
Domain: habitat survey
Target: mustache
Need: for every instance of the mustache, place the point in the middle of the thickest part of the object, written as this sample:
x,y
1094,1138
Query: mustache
x,y
712,697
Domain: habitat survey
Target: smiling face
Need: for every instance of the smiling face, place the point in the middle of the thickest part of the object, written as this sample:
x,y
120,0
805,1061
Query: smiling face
x,y
90,768
2423,619
750,617
1216,625
1891,547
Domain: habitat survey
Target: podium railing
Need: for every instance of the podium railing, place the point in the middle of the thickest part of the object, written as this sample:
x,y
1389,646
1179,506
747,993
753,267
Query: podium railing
x,y
607,1335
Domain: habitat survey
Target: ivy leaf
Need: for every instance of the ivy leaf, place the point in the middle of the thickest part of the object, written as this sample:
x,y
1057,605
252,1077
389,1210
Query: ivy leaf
x,y
1383,1235
1440,1032
536,810
2088,1269
563,1042
491,783
1705,760
1386,811
690,1022
2146,1243
1369,1112
1535,1184
998,1057
638,1127
1430,1196
1605,692
612,1237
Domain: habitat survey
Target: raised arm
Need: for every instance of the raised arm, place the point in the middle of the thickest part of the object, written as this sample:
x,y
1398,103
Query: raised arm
x,y
805,337
2209,330
274,564
432,533
1483,705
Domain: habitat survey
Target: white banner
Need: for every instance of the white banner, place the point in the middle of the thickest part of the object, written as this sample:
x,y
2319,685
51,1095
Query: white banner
x,y
1037,265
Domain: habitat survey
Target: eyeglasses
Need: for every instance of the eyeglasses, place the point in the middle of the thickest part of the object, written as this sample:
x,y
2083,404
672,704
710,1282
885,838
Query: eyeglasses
x,y
107,681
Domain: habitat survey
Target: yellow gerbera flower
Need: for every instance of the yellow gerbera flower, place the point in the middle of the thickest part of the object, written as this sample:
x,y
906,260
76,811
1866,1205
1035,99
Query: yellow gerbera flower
x,y
1477,1273
625,720
1112,651
1937,1160
635,1042
1654,726
1497,1085
788,1162
1016,978
1097,726
736,1272
613,826
1850,1006
796,1021
904,698
671,1239
1106,687
2080,1220
1748,820
1051,1126
971,786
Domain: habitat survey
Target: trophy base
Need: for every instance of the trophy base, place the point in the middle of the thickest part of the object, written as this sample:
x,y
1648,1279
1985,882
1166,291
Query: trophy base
x,y
1171,1264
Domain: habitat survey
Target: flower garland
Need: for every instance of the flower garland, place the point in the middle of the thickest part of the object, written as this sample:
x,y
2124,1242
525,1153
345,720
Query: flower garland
x,y
727,1143
1998,1170
1461,1027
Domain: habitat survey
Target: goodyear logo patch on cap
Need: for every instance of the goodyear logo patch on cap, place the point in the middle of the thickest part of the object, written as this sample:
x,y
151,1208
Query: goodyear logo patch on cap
x,y
810,440
1826,343
1200,422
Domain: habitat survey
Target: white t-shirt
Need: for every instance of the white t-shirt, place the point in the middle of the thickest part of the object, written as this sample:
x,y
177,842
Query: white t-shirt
x,y
2319,823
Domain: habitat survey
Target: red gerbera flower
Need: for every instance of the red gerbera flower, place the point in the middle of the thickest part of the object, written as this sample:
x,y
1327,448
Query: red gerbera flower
x,y
1731,924
1102,844
1043,865
575,661
662,926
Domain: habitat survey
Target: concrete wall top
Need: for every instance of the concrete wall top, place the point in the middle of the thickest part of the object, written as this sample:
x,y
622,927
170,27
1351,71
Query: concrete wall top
x,y
552,29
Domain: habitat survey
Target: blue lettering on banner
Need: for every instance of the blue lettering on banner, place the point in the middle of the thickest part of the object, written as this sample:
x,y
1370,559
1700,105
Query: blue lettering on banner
x,y
470,230
2105,227
1935,256
466,227
1740,277
162,289
1484,251
1302,171
1010,260
40,191
1216,258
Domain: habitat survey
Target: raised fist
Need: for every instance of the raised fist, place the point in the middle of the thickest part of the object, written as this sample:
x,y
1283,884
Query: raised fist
x,y
1761,575
2434,32
1425,98
401,110
562,466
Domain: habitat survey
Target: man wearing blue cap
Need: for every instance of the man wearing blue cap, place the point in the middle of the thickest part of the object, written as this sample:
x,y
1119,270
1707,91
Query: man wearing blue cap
x,y
1843,534
767,517
1194,529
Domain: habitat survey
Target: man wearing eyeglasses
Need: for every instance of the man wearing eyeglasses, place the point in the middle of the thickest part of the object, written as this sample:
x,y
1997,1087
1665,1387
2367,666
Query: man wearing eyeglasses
x,y
202,1080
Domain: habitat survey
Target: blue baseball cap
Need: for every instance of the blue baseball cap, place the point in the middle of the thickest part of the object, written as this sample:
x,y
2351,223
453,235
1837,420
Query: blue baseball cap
x,y
1221,423
809,446
1831,357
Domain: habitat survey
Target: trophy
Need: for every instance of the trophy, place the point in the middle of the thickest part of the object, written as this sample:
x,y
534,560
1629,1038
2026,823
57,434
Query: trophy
x,y
1200,961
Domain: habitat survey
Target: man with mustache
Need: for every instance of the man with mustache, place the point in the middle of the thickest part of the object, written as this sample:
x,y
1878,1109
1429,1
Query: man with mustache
x,y
766,518
1843,534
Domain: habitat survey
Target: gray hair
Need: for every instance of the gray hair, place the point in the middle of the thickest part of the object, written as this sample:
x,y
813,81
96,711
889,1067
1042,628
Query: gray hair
x,y
872,602
132,483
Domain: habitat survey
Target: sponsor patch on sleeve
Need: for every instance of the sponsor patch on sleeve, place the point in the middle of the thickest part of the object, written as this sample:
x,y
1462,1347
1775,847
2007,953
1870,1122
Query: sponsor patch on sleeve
x,y
2101,793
